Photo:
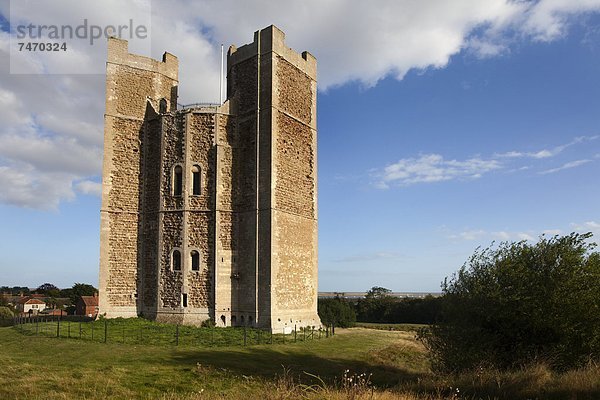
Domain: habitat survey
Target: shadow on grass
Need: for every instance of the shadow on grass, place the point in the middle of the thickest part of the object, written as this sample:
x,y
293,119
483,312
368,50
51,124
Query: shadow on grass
x,y
270,362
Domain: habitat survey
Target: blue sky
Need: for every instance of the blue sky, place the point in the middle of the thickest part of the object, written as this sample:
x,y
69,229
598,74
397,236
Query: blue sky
x,y
429,145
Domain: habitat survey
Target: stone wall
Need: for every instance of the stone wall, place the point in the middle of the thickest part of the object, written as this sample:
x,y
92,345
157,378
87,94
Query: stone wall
x,y
201,127
294,91
294,283
121,284
172,155
171,281
295,184
200,237
149,221
135,85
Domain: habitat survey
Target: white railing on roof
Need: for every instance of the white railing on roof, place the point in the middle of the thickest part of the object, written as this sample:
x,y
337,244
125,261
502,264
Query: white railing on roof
x,y
196,105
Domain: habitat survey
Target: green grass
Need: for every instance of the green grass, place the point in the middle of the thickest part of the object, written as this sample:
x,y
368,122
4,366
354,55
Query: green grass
x,y
394,363
44,367
142,331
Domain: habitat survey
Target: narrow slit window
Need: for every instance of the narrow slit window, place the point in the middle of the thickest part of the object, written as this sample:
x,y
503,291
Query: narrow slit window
x,y
195,261
184,300
177,181
176,260
196,180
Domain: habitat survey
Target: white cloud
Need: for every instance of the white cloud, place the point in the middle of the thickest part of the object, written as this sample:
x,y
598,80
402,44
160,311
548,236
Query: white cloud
x,y
61,115
547,153
588,226
548,19
24,188
432,168
484,235
469,235
524,236
90,187
569,165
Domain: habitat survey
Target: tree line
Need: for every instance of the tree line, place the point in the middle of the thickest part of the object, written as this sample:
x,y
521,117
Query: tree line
x,y
379,306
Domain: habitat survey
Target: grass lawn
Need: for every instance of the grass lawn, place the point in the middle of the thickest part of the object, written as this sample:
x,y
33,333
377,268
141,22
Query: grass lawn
x,y
35,367
40,367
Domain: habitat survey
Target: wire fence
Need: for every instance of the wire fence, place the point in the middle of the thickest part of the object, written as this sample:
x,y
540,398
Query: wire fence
x,y
140,331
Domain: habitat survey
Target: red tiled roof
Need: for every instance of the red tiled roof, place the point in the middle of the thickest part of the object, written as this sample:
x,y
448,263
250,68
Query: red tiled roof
x,y
27,300
90,300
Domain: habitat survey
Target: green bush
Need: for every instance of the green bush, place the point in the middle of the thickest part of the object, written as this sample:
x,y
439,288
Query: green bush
x,y
336,311
518,303
5,313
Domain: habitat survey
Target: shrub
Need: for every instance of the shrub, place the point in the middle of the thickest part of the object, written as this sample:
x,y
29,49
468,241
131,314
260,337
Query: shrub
x,y
336,311
5,313
517,303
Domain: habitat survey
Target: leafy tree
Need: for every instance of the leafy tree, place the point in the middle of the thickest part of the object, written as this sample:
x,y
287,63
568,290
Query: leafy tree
x,y
79,289
48,289
376,306
336,311
5,313
377,293
14,291
517,303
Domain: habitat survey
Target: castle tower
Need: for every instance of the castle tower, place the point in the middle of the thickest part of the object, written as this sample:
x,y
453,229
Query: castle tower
x,y
135,86
225,220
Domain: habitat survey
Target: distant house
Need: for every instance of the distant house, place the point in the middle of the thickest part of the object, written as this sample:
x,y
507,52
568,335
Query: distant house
x,y
55,312
87,305
30,305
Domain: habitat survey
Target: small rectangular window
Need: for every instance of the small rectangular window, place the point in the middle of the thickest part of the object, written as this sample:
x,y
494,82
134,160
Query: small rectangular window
x,y
176,260
196,179
184,300
177,181
195,261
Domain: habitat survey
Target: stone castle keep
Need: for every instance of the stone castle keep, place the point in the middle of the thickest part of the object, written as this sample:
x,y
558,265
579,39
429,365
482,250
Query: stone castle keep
x,y
210,212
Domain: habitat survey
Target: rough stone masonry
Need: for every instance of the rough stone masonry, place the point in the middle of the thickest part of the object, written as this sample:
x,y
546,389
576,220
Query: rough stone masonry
x,y
210,212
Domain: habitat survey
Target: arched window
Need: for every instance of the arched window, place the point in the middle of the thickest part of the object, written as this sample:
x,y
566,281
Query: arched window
x,y
177,180
176,260
233,320
195,260
196,180
242,319
162,106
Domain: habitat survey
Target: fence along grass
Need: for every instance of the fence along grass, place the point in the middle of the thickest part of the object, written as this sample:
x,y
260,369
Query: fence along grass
x,y
140,331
